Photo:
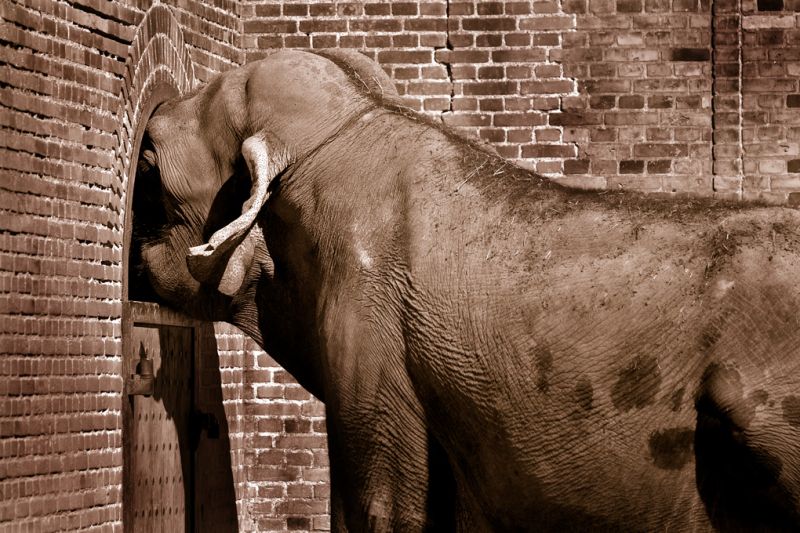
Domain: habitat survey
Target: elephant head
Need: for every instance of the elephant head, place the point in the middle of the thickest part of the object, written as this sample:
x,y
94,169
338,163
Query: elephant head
x,y
212,155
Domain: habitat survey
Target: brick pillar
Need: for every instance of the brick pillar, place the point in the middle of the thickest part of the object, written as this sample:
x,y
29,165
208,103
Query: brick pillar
x,y
727,98
771,100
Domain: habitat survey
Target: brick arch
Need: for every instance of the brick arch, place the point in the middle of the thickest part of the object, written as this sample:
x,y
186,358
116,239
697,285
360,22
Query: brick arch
x,y
158,67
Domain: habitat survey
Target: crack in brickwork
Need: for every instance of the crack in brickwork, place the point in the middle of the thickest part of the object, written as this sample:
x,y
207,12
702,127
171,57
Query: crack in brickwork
x,y
576,162
448,66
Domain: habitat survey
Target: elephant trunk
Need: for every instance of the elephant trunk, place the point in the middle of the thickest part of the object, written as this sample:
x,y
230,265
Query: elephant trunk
x,y
170,278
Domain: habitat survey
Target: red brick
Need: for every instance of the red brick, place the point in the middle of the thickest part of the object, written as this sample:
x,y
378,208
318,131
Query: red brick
x,y
690,54
404,8
576,166
542,23
461,8
295,10
351,41
631,167
574,6
378,41
524,39
297,41
376,25
302,507
425,24
629,118
489,88
391,56
489,24
519,119
489,40
462,56
272,473
300,441
519,56
467,119
405,41
433,40
322,10
605,101
493,72
548,150
328,26
660,150
520,136
431,8
377,8
663,166
491,104
546,87
270,26
631,101
323,41
629,6
584,118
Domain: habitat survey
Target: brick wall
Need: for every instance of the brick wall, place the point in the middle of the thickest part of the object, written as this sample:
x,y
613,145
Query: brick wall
x,y
60,256
286,451
599,93
659,95
641,94
64,99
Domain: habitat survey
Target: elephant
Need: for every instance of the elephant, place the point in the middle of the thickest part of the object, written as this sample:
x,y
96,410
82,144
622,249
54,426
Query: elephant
x,y
495,351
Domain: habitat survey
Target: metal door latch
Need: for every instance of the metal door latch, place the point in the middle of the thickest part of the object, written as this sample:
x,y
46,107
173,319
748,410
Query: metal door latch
x,y
141,383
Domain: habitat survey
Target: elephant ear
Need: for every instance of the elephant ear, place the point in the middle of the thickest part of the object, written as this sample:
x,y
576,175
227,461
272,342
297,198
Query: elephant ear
x,y
223,261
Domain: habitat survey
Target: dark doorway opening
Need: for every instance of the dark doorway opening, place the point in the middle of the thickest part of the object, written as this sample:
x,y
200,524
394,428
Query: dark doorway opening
x,y
148,217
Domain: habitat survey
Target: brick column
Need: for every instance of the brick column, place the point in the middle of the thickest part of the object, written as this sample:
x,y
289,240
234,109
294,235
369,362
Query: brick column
x,y
727,98
771,100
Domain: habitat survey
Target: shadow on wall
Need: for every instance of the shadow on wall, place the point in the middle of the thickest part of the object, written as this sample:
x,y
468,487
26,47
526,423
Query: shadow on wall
x,y
215,494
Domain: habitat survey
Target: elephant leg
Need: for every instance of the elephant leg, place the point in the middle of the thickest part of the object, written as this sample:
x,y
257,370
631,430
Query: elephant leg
x,y
387,473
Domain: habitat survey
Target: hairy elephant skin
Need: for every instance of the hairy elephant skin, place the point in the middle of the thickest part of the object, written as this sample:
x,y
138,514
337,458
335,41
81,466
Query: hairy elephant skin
x,y
495,351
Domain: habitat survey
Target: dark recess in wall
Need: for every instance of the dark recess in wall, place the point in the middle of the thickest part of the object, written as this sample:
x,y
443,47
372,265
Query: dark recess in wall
x,y
149,217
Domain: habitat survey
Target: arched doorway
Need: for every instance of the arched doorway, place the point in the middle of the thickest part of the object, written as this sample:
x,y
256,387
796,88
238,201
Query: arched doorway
x,y
176,452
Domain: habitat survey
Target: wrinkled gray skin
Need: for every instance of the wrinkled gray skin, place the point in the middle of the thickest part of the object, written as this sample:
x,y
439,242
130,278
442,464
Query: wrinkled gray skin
x,y
495,352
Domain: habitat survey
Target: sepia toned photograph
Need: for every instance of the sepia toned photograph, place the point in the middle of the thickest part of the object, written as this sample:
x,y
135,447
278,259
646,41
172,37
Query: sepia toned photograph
x,y
400,266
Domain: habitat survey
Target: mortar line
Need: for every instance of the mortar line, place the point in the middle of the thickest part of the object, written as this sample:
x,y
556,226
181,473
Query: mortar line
x,y
447,64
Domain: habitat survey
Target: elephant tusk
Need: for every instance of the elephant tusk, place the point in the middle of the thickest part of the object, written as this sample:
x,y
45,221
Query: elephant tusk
x,y
203,249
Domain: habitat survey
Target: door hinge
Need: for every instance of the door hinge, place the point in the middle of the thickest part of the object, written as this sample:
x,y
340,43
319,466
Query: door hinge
x,y
142,382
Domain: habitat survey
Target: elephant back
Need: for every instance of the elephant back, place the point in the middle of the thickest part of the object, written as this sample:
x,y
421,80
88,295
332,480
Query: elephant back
x,y
367,75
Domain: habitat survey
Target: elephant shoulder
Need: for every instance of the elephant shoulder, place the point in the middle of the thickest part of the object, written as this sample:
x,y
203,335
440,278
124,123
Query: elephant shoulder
x,y
363,72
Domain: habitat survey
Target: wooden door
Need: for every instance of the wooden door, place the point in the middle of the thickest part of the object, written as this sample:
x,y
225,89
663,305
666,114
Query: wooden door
x,y
160,430
177,474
